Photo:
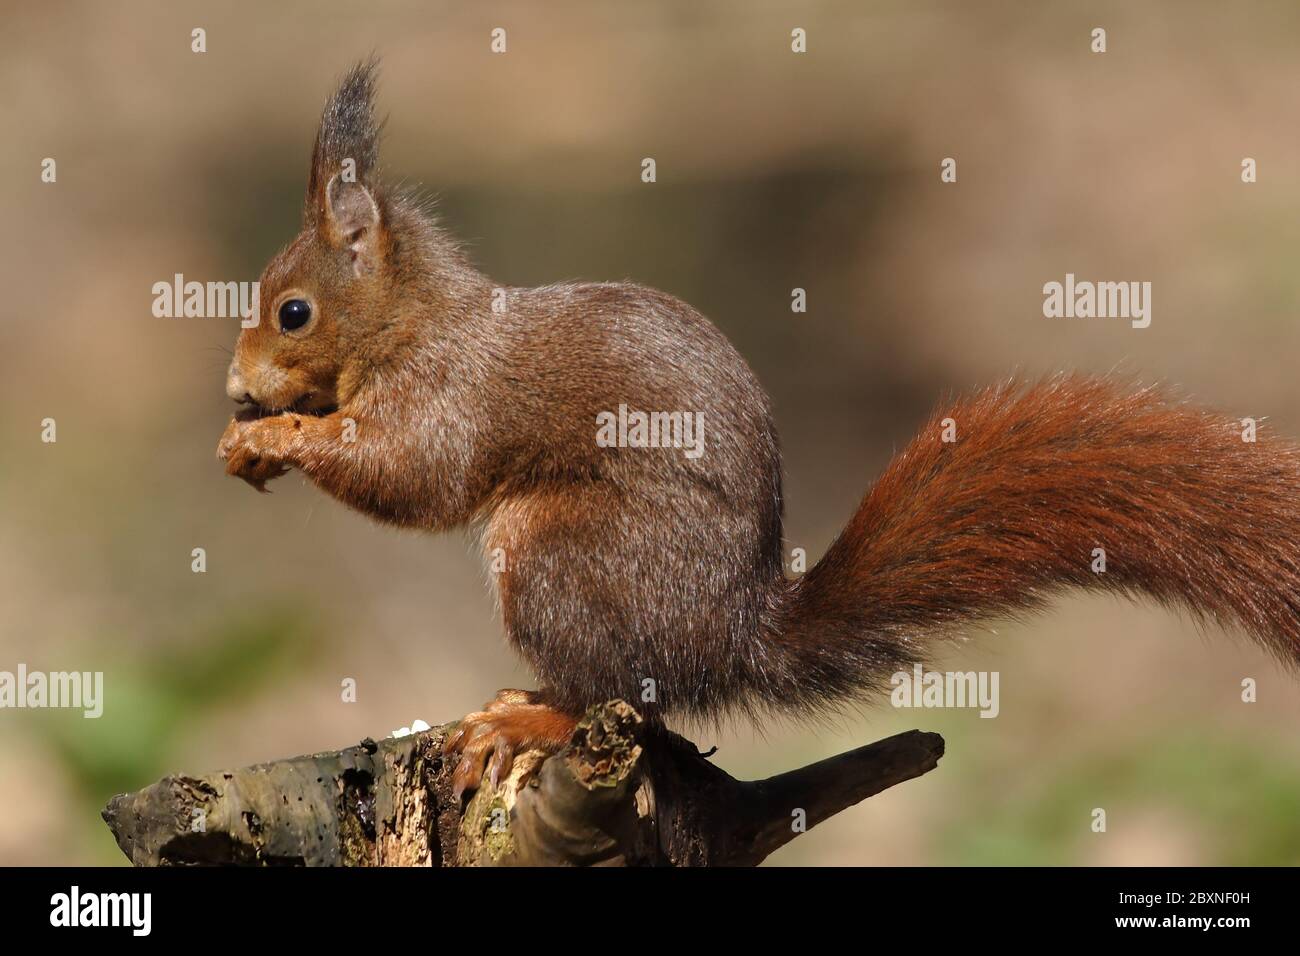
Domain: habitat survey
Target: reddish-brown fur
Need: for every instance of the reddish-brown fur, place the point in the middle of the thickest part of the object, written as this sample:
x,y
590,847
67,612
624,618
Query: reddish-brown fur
x,y
632,565
1186,511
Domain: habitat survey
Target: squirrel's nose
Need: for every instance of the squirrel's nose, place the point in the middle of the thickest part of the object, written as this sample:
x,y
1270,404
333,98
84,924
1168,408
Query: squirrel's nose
x,y
235,387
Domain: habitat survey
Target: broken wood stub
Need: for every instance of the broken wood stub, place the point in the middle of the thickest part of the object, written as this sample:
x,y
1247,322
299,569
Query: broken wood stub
x,y
621,794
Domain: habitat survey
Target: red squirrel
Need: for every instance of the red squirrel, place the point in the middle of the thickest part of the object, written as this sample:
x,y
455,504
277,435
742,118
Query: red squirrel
x,y
410,387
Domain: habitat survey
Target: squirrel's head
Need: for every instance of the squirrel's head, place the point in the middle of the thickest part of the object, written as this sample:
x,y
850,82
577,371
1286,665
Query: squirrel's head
x,y
323,294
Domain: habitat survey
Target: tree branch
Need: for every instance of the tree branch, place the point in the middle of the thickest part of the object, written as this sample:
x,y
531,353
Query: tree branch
x,y
618,794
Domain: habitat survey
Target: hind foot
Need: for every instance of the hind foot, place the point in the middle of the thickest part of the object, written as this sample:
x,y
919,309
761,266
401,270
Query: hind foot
x,y
513,722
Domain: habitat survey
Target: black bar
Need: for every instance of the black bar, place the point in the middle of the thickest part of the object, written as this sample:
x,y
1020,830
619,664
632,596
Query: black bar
x,y
924,905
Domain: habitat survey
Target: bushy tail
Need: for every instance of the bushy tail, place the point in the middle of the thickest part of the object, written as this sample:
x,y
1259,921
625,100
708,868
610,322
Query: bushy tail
x,y
1040,481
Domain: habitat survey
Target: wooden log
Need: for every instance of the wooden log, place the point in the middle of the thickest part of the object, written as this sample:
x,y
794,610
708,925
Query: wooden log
x,y
619,794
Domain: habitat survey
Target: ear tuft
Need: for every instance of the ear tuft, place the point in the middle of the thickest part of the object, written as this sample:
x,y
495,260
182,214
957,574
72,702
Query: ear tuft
x,y
347,144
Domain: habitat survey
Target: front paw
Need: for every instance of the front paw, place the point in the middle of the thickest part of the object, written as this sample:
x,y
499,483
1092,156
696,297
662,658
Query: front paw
x,y
257,450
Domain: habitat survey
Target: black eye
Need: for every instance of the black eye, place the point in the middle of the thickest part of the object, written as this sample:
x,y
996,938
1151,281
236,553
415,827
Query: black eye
x,y
294,314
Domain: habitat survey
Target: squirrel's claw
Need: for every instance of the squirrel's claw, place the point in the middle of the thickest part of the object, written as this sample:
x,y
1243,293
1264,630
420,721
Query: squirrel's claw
x,y
254,470
489,740
482,749
259,472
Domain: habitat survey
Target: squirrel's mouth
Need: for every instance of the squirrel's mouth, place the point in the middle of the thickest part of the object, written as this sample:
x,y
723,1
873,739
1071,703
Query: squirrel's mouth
x,y
312,403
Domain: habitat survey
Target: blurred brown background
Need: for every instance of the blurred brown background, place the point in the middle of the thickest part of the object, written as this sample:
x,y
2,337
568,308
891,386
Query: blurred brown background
x,y
775,170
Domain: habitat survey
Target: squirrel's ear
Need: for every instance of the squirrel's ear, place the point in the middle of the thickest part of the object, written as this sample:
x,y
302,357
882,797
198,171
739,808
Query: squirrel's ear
x,y
352,220
341,190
